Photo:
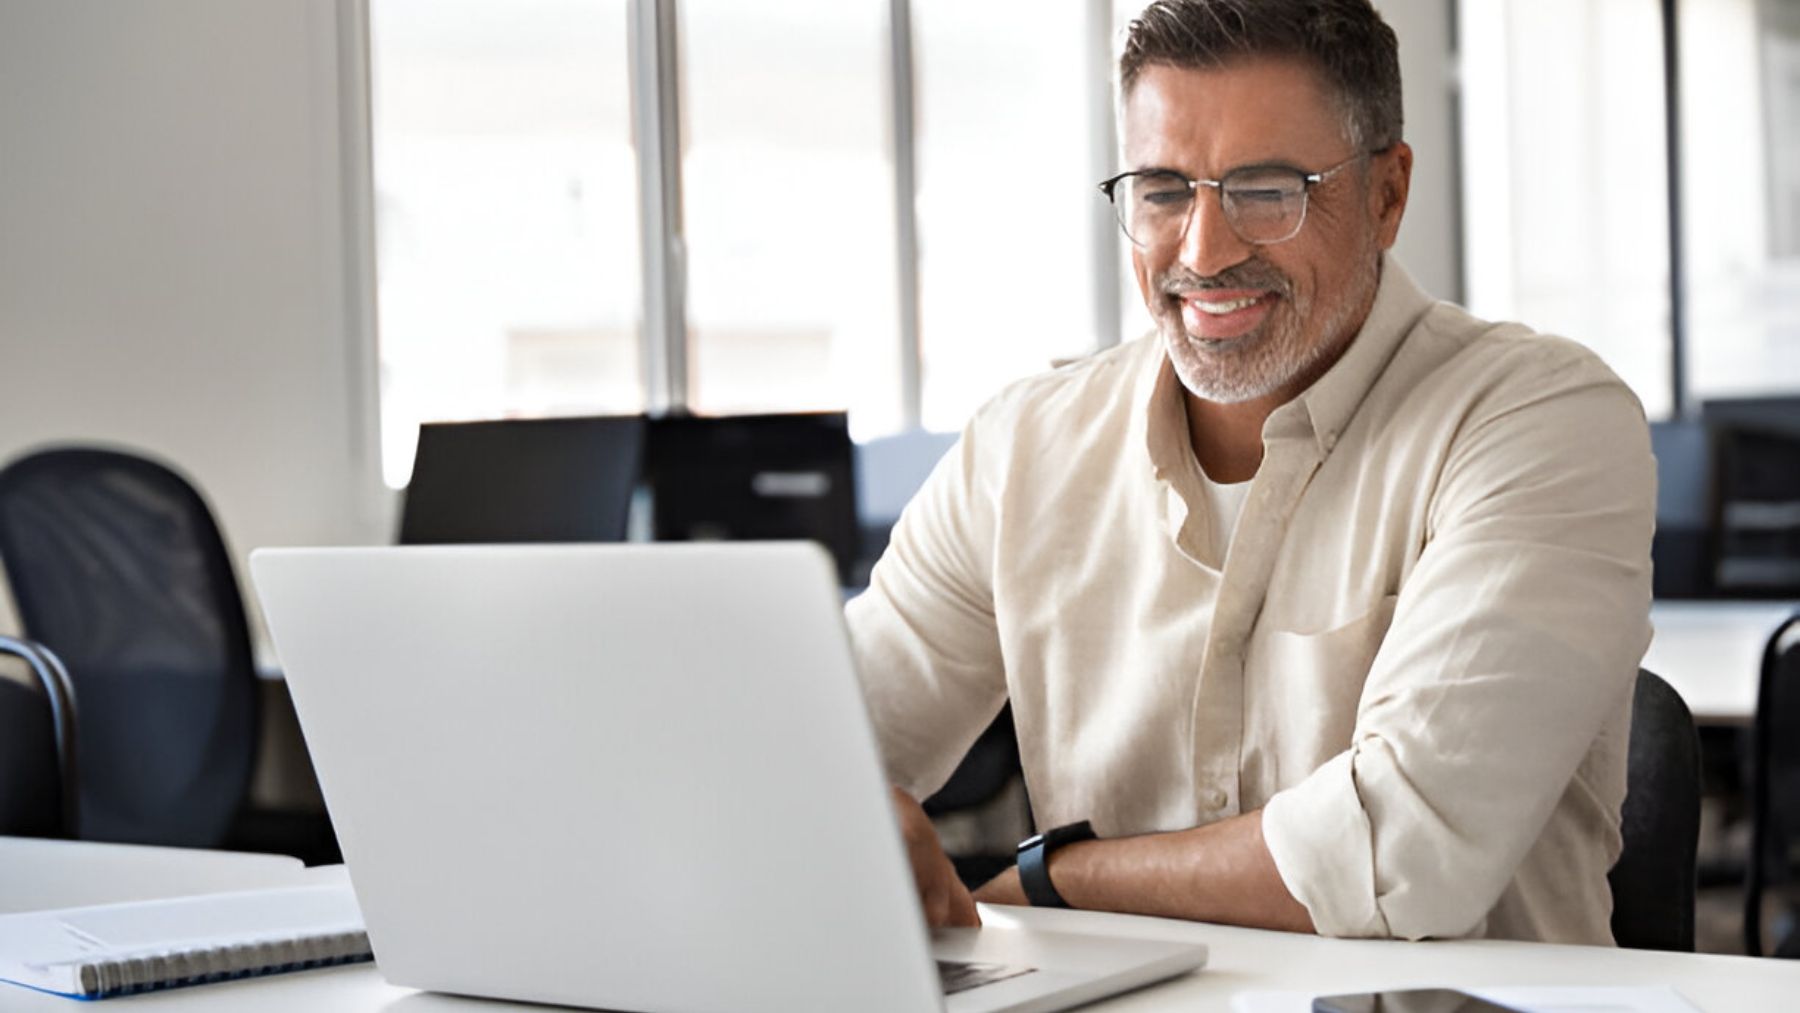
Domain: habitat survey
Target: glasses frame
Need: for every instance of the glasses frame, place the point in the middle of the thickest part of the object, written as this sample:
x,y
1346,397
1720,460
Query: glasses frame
x,y
1308,180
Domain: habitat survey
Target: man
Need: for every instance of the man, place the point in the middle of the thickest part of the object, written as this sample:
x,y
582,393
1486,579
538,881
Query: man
x,y
1322,606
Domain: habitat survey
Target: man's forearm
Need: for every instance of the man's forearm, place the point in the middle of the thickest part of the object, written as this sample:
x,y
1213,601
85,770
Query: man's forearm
x,y
1221,872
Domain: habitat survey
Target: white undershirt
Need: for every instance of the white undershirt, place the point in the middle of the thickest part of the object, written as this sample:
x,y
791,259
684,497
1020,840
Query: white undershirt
x,y
1227,502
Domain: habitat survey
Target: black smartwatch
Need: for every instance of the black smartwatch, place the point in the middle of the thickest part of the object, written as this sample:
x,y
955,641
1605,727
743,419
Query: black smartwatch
x,y
1034,861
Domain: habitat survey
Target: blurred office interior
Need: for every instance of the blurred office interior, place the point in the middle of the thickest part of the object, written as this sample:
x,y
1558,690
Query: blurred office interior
x,y
265,243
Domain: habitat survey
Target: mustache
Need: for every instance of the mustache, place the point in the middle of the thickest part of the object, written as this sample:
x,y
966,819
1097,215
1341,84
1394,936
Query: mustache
x,y
1249,274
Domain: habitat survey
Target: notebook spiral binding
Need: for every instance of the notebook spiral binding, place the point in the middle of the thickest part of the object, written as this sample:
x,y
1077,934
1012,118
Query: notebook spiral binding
x,y
174,969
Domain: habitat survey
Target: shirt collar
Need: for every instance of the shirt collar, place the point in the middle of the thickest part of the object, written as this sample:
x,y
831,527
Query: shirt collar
x,y
1160,399
1323,410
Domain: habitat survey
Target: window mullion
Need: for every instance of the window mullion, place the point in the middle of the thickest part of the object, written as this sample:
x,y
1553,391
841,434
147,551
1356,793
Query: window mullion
x,y
656,118
1103,144
1671,25
906,218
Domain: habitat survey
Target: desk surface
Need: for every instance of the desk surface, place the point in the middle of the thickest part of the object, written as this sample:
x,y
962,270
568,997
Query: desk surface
x,y
36,875
1241,959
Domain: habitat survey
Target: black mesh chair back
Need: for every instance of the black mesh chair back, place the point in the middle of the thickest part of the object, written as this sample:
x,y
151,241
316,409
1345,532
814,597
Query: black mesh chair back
x,y
116,565
1653,882
38,769
523,480
1774,783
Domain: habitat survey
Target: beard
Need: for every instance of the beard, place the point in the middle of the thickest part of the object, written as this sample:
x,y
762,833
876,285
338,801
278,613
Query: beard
x,y
1293,341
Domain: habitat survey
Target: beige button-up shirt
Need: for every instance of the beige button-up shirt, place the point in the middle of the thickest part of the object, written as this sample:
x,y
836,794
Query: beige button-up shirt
x,y
1416,656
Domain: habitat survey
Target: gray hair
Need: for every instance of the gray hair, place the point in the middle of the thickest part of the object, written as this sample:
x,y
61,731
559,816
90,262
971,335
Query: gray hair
x,y
1346,41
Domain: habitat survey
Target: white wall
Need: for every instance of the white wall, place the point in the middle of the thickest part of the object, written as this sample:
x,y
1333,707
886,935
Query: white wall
x,y
172,254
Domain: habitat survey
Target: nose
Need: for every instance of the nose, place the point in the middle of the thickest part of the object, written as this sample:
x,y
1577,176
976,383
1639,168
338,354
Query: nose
x,y
1208,243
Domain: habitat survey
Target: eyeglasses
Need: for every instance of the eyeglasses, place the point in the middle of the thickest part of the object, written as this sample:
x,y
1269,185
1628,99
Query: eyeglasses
x,y
1263,204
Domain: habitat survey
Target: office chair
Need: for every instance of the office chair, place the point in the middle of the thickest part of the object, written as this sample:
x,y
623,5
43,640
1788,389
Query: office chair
x,y
116,565
523,480
1774,784
889,471
39,785
1653,881
991,764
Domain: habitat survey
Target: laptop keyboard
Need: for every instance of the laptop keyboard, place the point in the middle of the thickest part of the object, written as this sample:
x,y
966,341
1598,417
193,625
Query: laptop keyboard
x,y
956,976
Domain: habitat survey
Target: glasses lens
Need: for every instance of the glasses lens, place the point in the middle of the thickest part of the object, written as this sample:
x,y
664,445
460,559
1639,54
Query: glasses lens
x,y
1153,206
1264,205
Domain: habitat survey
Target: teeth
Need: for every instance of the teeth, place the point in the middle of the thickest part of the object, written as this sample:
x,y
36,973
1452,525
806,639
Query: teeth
x,y
1222,308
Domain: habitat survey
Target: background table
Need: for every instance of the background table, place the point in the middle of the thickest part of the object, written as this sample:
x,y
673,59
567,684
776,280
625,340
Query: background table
x,y
1711,652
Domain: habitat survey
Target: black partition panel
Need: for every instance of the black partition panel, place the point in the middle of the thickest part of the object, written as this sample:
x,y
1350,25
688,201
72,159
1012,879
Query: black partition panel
x,y
1757,532
524,480
755,477
1755,521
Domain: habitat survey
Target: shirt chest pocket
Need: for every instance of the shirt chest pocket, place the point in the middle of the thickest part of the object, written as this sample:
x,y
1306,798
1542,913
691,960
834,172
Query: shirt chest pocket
x,y
1301,693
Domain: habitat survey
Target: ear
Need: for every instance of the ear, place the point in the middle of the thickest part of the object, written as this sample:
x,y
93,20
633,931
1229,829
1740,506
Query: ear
x,y
1390,180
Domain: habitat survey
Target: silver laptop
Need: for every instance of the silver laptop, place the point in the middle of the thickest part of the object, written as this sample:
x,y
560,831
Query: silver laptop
x,y
634,777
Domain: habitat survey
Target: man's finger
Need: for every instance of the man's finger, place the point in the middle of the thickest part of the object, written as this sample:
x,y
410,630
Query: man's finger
x,y
937,905
963,913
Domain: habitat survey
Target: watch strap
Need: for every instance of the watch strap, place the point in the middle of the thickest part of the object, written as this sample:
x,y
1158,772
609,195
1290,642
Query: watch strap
x,y
1034,861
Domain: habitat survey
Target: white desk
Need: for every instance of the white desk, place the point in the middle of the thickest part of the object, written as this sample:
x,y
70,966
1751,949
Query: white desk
x,y
39,874
1711,652
1241,959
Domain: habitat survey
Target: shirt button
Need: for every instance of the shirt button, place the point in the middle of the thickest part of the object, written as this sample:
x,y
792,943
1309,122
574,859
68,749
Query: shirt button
x,y
1212,798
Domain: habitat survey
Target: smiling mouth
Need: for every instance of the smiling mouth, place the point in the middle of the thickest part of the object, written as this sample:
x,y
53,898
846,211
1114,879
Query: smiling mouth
x,y
1216,317
1219,309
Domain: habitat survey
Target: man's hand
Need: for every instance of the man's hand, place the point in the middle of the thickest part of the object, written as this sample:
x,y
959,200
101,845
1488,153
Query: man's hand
x,y
946,900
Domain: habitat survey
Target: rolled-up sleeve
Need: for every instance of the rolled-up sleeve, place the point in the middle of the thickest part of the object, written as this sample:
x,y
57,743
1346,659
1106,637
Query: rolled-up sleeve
x,y
924,632
1515,638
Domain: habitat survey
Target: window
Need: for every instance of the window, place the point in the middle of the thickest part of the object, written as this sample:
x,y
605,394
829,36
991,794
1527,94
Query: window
x,y
506,213
1567,203
1565,188
1740,151
508,195
1006,201
789,202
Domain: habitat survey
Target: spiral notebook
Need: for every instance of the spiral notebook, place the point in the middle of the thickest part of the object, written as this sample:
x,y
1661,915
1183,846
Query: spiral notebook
x,y
119,949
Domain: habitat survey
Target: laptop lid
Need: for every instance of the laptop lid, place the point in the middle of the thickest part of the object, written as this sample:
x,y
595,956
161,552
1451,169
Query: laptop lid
x,y
632,777
523,480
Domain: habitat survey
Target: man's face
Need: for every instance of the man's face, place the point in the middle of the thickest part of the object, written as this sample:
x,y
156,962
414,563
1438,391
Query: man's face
x,y
1245,321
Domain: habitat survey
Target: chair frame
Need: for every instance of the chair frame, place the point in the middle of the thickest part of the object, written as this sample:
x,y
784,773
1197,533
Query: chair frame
x,y
59,689
1761,743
